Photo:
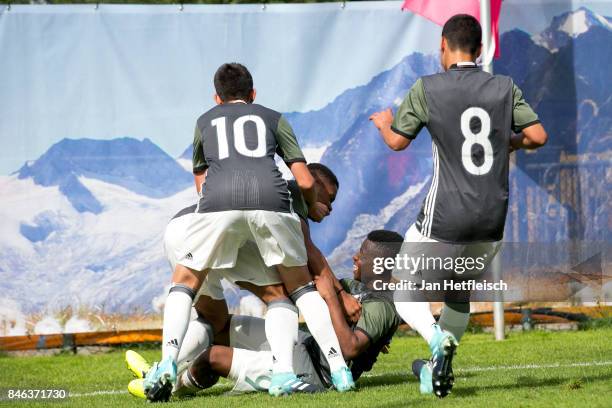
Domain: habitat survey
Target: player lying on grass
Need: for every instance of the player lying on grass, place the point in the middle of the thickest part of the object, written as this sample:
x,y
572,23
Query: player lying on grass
x,y
470,115
244,198
242,353
252,274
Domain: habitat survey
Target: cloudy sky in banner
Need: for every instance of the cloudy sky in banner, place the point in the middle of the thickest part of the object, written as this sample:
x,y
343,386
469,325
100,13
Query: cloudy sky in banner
x,y
146,71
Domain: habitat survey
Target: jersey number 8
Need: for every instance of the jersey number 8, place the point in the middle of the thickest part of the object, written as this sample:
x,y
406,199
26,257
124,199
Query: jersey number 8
x,y
239,139
481,138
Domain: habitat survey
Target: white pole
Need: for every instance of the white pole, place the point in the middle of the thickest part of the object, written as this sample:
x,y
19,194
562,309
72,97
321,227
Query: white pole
x,y
488,45
488,50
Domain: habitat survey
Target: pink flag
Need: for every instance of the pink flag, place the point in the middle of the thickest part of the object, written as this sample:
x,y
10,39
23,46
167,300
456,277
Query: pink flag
x,y
439,11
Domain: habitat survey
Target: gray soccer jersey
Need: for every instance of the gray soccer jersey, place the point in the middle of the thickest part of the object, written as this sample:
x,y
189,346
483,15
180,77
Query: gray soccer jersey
x,y
236,143
470,115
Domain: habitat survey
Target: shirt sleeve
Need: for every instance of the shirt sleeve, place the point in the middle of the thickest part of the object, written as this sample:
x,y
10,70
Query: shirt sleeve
x,y
376,320
288,147
198,160
299,205
412,114
522,114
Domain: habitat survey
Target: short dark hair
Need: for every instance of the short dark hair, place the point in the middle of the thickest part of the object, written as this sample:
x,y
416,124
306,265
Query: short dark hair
x,y
325,172
379,244
233,81
463,32
382,243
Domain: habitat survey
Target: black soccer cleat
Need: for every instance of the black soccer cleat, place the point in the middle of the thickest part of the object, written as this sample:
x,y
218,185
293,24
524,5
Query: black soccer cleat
x,y
160,392
442,377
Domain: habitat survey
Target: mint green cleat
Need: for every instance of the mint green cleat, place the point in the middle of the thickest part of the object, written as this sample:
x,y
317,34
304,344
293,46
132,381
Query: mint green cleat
x,y
160,380
443,346
289,383
343,380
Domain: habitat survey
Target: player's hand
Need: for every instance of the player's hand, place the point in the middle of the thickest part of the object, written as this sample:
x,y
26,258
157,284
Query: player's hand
x,y
318,211
352,307
515,142
382,119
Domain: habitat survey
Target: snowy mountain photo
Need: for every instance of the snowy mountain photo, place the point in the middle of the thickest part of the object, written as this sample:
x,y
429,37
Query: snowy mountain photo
x,y
83,222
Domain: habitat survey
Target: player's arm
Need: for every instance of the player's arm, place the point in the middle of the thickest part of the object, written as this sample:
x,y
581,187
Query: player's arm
x,y
198,161
318,266
532,137
383,121
397,132
305,181
352,343
529,132
289,150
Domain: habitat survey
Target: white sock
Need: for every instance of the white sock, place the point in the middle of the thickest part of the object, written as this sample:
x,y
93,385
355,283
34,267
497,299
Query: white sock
x,y
282,333
199,336
185,386
316,314
418,316
177,314
454,321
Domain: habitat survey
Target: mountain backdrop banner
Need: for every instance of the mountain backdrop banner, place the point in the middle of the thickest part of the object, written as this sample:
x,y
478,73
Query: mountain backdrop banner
x,y
99,105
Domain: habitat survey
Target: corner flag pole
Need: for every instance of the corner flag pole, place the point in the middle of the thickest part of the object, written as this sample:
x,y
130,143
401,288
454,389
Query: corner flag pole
x,y
488,50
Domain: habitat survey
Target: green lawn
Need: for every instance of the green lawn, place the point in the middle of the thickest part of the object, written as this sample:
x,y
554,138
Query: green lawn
x,y
528,369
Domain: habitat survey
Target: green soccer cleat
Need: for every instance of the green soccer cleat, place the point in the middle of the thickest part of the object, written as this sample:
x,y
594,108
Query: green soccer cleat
x,y
288,383
136,388
343,380
160,380
443,346
136,364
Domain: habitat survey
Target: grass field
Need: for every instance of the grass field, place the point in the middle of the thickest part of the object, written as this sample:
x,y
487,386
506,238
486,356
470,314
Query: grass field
x,y
528,369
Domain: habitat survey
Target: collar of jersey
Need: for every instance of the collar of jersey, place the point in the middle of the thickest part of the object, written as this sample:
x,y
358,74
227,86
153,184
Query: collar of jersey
x,y
238,101
464,65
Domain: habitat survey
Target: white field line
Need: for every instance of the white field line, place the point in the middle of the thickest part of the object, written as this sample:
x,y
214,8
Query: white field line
x,y
460,370
510,367
113,392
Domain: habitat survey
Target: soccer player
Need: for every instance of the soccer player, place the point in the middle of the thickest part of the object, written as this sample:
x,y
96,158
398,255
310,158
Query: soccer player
x,y
244,198
245,358
251,273
471,116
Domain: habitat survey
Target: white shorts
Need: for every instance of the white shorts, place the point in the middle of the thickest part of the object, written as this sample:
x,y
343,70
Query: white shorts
x,y
212,240
251,368
250,266
486,250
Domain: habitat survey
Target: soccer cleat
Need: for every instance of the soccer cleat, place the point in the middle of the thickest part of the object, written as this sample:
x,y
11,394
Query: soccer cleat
x,y
160,380
442,346
343,380
422,371
289,383
136,364
136,388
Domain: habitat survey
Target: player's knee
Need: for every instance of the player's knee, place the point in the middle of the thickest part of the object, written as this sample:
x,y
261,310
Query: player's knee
x,y
188,277
202,372
274,293
219,360
294,277
213,311
284,303
182,288
302,290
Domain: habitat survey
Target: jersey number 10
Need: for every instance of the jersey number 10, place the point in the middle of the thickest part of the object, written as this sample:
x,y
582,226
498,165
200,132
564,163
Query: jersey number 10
x,y
239,139
481,138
